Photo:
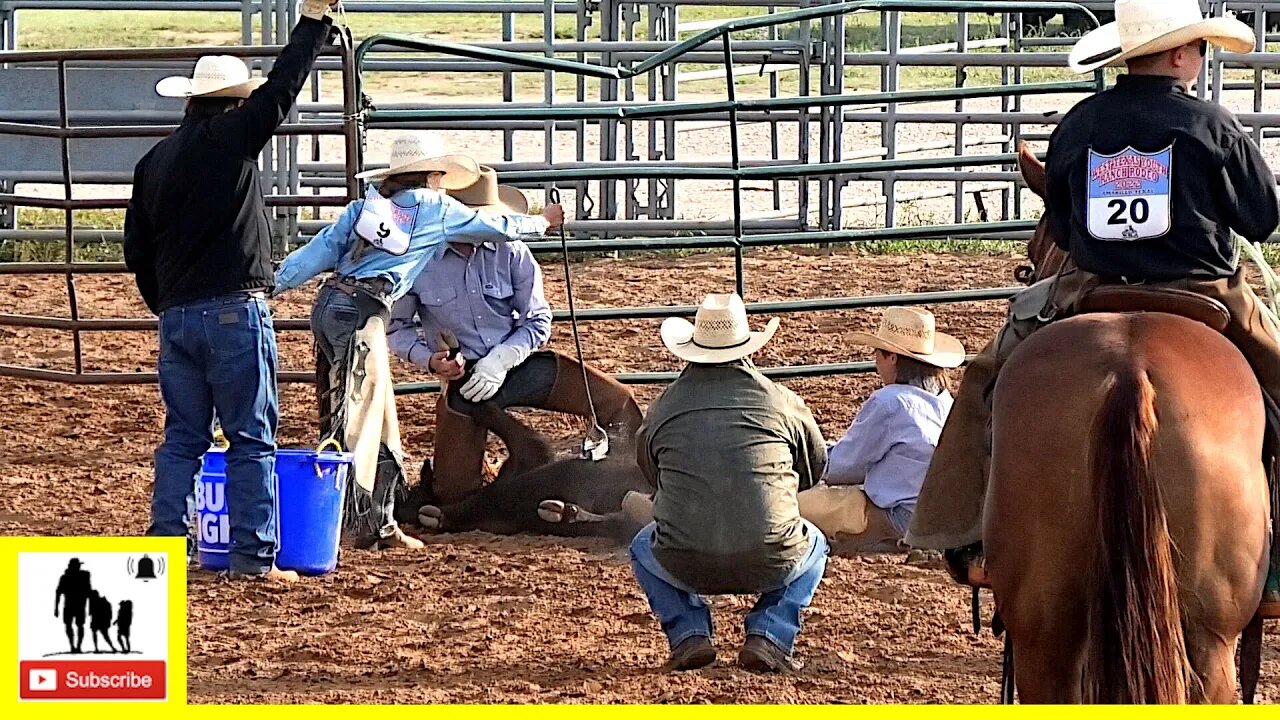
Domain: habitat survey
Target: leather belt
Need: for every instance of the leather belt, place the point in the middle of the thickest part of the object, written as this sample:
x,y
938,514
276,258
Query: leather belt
x,y
377,287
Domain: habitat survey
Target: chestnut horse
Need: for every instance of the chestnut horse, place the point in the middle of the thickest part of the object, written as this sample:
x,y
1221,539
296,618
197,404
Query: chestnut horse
x,y
1126,524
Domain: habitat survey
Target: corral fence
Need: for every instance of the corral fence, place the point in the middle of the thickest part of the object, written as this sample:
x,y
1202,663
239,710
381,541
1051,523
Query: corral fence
x,y
636,88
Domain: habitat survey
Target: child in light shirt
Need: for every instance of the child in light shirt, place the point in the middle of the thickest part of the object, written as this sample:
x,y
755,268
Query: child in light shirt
x,y
874,473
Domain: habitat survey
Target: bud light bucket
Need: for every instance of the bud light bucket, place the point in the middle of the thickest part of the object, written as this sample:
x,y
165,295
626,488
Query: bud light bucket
x,y
310,487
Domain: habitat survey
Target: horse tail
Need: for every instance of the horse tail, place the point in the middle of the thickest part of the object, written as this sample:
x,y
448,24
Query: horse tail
x,y
1136,648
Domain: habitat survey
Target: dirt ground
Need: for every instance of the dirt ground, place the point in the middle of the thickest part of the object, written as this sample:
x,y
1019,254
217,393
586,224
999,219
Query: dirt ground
x,y
479,618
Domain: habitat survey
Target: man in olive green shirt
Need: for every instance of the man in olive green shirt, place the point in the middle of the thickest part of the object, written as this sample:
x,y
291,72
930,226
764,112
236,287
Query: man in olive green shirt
x,y
727,452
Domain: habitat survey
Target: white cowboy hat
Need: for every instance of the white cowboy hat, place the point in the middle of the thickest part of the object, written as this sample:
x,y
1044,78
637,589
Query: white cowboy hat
x,y
1146,27
486,194
420,152
214,76
719,332
910,331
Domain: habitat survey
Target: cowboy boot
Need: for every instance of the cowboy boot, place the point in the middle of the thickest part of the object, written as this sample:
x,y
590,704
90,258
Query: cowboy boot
x,y
760,655
614,404
457,456
692,653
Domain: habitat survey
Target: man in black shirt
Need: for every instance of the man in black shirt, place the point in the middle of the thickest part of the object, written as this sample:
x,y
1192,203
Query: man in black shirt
x,y
1145,185
198,242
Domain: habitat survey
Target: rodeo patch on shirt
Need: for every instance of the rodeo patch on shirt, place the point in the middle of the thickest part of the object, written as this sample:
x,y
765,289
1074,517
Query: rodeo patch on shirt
x,y
1129,194
386,225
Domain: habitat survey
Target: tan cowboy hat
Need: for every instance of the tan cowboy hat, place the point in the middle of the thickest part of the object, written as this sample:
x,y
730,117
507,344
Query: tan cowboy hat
x,y
910,331
1146,27
486,194
420,152
214,76
719,332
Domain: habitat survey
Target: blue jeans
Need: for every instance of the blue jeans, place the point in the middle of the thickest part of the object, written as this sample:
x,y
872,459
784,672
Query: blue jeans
x,y
219,355
776,615
900,517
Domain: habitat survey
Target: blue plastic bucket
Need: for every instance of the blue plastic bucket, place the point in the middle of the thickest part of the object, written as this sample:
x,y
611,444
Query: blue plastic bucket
x,y
310,487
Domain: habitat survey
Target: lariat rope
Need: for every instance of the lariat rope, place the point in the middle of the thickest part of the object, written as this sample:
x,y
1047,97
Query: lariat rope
x,y
595,446
1270,281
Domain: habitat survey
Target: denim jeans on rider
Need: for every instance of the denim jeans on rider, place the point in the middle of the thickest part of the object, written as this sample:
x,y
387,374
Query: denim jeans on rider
x,y
776,615
219,355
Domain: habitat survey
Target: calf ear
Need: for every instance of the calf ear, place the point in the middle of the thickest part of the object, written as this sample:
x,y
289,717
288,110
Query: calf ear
x,y
1033,172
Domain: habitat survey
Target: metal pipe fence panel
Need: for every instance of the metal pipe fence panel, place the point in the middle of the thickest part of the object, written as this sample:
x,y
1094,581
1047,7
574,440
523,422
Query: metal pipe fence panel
x,y
613,82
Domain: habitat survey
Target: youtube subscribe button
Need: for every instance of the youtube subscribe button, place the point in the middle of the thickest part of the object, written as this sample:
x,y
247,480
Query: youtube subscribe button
x,y
92,680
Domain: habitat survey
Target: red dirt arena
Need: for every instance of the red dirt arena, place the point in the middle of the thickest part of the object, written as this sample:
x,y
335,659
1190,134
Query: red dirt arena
x,y
480,618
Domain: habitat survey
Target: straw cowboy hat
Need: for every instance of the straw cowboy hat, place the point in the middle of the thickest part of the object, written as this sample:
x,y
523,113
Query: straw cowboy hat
x,y
486,194
1146,27
910,331
719,332
423,152
214,76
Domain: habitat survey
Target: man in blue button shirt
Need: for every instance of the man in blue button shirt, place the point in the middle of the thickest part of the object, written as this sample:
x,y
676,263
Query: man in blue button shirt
x,y
489,296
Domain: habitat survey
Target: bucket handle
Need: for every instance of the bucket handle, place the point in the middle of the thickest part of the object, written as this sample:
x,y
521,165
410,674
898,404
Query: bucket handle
x,y
337,446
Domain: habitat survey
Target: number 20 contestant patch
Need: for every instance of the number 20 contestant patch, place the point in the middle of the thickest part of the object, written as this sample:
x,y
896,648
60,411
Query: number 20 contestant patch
x,y
1129,194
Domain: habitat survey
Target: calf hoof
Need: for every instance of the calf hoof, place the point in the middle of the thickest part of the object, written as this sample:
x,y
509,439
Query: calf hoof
x,y
430,517
556,511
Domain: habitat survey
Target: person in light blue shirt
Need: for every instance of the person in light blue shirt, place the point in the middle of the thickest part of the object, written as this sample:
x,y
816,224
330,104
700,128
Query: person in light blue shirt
x,y
377,248
874,473
489,297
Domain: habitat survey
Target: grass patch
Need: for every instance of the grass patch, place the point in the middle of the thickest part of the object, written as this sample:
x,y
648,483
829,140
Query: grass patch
x,y
86,250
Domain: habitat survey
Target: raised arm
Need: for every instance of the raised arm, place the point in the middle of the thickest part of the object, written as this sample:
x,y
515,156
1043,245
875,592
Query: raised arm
x,y
462,224
247,129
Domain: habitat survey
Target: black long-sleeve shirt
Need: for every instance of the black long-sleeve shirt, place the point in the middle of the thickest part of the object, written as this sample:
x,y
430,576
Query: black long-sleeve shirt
x,y
197,226
1146,182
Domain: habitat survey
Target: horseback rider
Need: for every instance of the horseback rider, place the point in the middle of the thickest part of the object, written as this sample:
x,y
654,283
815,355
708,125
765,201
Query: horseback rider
x,y
1145,184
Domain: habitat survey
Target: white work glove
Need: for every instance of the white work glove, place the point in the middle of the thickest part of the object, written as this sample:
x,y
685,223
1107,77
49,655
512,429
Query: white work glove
x,y
491,371
316,9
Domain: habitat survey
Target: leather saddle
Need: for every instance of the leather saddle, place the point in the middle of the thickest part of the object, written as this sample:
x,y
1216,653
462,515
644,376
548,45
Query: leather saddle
x,y
1136,298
